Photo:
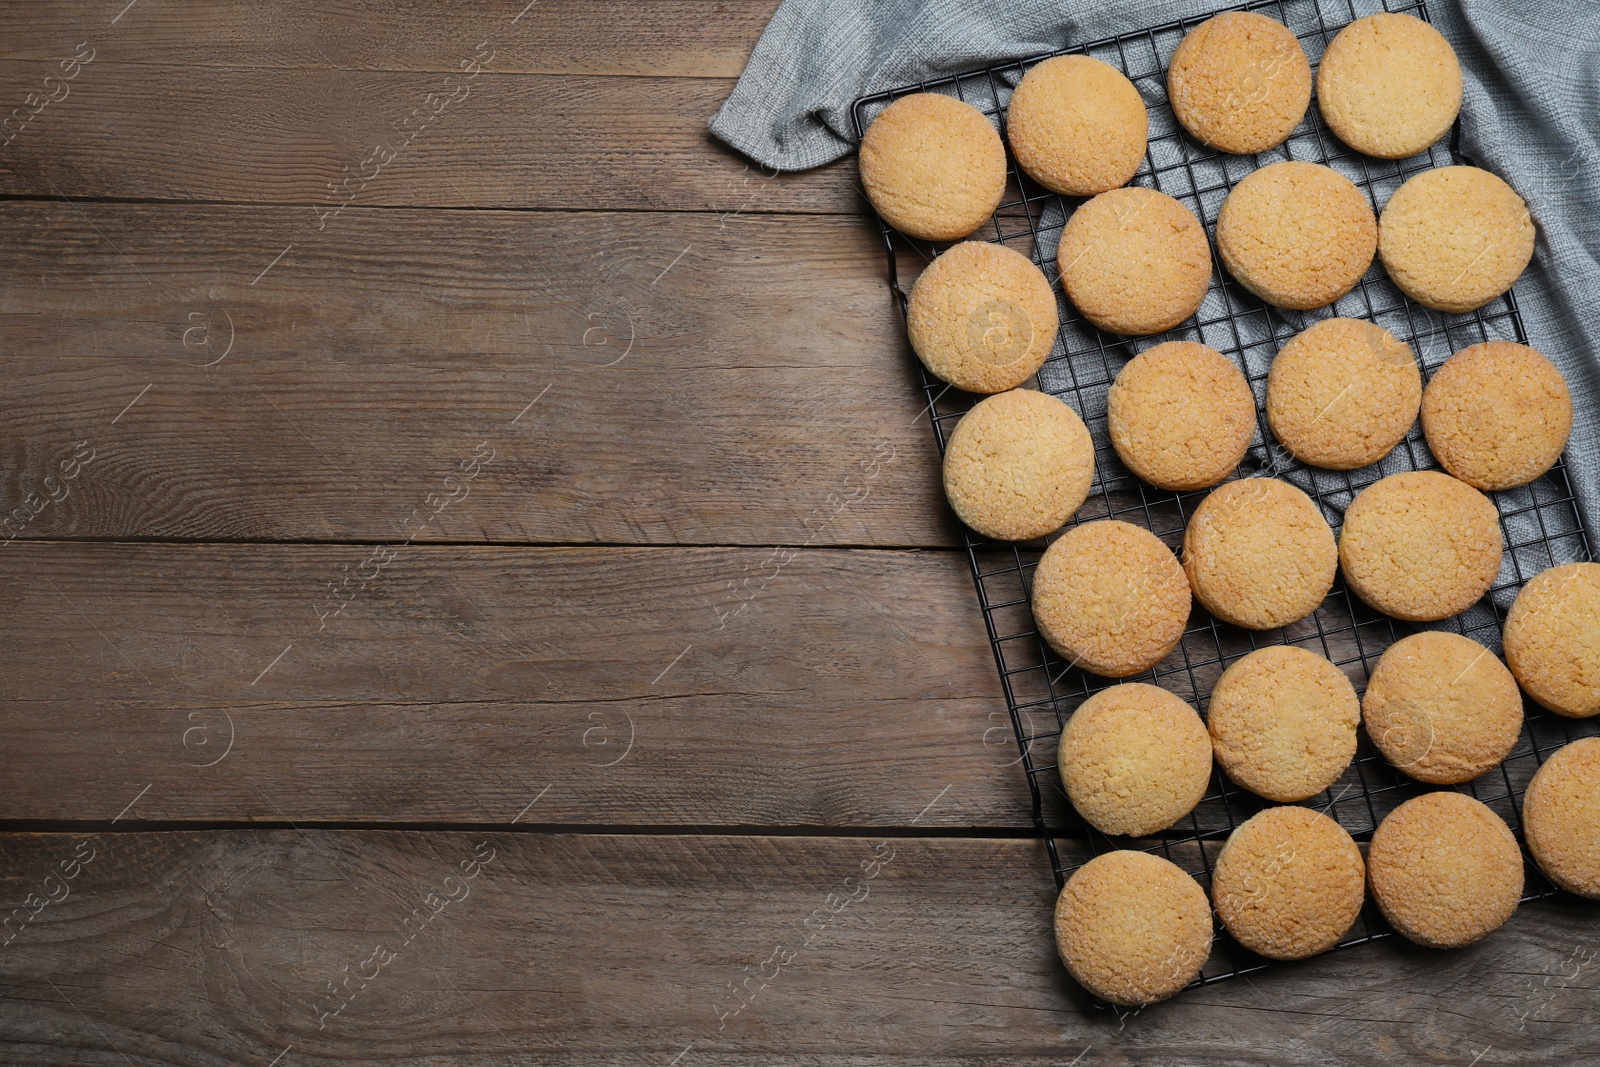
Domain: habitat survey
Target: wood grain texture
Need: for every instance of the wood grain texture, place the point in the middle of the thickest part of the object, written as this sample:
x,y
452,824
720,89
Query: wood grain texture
x,y
220,948
127,127
407,312
699,379
661,38
640,686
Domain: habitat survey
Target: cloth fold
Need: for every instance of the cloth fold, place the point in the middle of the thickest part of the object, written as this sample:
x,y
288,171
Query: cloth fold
x,y
1530,113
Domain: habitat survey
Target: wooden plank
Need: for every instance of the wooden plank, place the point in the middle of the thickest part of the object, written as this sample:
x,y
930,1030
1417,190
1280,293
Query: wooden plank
x,y
223,948
661,38
638,686
698,379
322,136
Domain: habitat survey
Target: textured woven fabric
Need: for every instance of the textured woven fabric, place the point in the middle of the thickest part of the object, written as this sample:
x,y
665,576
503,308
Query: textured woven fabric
x,y
1531,113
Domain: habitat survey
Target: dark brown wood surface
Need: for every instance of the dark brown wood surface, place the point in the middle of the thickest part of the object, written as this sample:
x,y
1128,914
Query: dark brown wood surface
x,y
688,391
579,106
213,948
426,473
643,686
657,38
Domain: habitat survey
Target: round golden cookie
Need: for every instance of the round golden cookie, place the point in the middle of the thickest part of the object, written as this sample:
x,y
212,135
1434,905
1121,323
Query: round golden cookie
x,y
933,167
982,317
1077,125
1442,707
1239,82
1454,238
1134,261
1132,928
1389,85
1561,817
1420,545
1018,465
1283,722
1444,870
1259,554
1181,415
1297,235
1552,639
1342,393
1134,759
1289,883
1497,415
1111,598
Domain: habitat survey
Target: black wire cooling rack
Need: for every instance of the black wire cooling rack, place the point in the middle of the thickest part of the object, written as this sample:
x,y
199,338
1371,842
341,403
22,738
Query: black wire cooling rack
x,y
1540,522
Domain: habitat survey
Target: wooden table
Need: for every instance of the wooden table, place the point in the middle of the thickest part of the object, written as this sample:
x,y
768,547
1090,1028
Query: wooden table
x,y
398,664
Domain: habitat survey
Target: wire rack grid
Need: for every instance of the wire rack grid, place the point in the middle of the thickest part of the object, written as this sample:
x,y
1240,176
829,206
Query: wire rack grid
x,y
1540,522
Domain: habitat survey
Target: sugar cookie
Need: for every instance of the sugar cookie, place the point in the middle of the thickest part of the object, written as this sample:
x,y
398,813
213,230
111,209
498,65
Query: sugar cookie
x,y
1132,928
1239,82
1552,639
1561,817
1497,415
1342,393
1110,598
1444,870
1389,85
1018,465
1283,722
982,317
1288,883
1297,235
1442,707
1134,759
1181,415
1134,261
1420,545
1454,238
1259,554
933,167
1077,125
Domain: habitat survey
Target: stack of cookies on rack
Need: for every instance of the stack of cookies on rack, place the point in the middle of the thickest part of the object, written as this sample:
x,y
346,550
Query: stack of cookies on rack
x,y
1419,546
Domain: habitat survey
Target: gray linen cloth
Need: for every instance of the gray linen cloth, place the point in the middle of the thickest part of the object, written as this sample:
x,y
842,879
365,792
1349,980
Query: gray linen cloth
x,y
1530,113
